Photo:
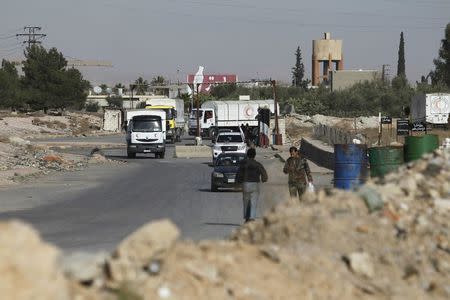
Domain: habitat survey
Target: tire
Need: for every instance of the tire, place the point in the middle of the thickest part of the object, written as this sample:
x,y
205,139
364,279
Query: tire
x,y
131,154
213,187
161,155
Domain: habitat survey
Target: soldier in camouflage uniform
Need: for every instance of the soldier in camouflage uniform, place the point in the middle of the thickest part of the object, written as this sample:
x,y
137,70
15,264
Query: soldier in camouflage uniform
x,y
299,173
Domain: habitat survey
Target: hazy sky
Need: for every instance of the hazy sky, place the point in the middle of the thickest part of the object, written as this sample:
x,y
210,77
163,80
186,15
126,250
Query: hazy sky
x,y
251,38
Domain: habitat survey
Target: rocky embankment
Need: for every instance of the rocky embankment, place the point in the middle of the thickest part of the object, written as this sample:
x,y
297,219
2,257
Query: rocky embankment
x,y
388,240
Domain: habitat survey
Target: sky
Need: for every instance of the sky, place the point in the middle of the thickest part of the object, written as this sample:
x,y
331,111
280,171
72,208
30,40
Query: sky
x,y
250,38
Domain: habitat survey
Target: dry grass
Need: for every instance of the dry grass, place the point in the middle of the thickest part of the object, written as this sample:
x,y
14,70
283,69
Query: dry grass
x,y
49,124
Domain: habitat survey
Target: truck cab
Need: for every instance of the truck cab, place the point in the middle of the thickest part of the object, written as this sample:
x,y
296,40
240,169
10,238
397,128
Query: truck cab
x,y
146,132
206,120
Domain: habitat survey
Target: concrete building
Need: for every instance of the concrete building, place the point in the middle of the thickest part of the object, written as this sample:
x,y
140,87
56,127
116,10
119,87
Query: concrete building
x,y
327,52
343,79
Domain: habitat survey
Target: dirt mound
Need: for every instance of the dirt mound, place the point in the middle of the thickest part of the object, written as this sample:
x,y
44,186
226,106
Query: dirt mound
x,y
40,125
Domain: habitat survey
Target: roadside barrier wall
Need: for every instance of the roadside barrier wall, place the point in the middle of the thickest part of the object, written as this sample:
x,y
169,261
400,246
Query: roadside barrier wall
x,y
319,156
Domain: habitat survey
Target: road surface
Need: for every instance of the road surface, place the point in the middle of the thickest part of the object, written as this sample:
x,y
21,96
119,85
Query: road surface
x,y
94,209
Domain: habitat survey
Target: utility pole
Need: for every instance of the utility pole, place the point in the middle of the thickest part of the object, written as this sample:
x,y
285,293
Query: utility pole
x,y
32,35
198,109
278,138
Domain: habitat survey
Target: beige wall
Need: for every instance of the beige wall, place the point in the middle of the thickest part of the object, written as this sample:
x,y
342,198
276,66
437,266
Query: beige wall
x,y
323,48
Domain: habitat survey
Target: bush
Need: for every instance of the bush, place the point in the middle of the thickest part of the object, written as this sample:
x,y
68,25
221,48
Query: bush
x,y
114,101
92,107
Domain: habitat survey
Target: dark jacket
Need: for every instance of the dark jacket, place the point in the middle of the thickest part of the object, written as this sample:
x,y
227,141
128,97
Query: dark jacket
x,y
251,171
298,170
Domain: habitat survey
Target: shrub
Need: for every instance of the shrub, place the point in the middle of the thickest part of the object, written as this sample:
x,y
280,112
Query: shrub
x,y
92,107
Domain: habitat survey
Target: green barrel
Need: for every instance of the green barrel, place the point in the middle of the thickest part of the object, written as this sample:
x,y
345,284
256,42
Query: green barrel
x,y
384,160
416,146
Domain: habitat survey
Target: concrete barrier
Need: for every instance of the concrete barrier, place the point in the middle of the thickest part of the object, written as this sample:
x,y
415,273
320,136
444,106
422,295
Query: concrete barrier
x,y
321,155
192,151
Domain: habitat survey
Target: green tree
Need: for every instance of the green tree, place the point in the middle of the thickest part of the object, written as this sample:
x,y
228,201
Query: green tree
x,y
140,86
9,86
115,101
401,70
104,88
48,84
441,75
159,80
119,86
298,71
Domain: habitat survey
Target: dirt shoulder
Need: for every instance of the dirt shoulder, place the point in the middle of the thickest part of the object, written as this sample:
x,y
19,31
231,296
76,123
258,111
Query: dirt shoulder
x,y
21,160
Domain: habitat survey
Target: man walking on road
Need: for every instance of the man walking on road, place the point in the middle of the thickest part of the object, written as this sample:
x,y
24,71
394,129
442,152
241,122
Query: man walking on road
x,y
250,174
299,173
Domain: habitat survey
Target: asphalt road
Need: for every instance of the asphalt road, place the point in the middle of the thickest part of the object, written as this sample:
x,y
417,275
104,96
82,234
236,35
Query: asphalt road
x,y
94,209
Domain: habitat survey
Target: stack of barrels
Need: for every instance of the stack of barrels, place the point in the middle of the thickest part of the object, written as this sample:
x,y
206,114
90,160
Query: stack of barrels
x,y
352,161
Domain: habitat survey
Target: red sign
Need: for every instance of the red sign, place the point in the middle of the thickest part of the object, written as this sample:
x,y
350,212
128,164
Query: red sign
x,y
209,79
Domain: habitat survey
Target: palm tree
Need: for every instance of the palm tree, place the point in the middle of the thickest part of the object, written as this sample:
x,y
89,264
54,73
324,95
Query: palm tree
x,y
141,86
159,80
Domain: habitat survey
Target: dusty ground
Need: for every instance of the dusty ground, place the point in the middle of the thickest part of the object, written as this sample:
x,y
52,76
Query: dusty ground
x,y
21,161
390,239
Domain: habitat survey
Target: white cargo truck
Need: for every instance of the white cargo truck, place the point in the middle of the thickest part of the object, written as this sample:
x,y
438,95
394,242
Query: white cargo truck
x,y
216,115
174,109
146,130
432,109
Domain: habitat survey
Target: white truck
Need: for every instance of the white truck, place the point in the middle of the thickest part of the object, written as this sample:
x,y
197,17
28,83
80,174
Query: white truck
x,y
216,115
174,109
146,132
432,109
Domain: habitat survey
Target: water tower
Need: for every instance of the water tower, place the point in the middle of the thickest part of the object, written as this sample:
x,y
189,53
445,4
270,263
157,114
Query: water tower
x,y
327,52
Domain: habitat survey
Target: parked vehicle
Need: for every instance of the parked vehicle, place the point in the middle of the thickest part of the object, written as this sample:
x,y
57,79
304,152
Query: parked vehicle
x,y
174,109
432,109
228,142
146,131
225,170
215,115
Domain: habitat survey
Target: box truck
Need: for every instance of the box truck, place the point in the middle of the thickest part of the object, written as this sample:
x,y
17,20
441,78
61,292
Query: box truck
x,y
146,131
174,109
216,115
432,109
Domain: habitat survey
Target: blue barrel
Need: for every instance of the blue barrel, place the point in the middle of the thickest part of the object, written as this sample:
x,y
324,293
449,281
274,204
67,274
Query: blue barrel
x,y
350,165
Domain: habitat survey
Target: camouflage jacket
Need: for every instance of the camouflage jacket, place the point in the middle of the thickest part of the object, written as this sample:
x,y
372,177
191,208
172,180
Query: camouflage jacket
x,y
298,170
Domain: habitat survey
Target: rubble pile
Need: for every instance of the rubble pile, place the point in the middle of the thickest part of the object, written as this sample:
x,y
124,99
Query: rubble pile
x,y
393,234
20,160
299,126
311,121
40,125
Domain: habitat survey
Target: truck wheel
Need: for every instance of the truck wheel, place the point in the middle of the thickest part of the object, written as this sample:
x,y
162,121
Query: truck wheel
x,y
131,154
161,155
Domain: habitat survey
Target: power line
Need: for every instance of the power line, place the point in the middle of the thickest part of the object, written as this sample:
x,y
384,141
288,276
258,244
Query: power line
x,y
32,35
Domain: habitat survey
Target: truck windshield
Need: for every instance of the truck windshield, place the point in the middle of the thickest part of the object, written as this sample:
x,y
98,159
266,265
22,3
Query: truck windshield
x,y
223,138
147,124
193,114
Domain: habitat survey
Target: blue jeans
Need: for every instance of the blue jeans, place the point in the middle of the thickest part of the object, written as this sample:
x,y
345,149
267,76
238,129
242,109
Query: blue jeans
x,y
250,197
